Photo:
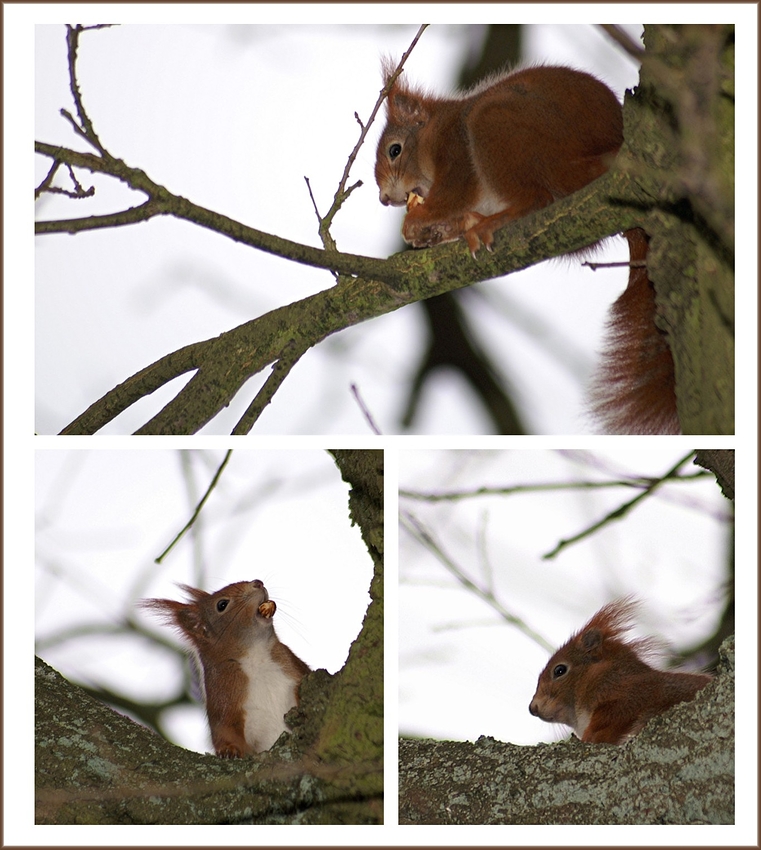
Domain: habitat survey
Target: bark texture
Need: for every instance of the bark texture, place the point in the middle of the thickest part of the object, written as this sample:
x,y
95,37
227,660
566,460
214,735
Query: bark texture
x,y
93,765
679,770
679,130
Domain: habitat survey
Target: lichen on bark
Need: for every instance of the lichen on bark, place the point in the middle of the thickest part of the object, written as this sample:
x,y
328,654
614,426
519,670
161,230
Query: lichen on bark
x,y
93,765
679,770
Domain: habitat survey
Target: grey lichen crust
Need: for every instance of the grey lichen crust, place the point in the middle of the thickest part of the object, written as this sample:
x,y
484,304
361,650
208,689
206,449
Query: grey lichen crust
x,y
679,770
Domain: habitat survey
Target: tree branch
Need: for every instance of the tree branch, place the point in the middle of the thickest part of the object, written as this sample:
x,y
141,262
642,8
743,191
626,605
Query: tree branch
x,y
342,193
85,127
226,362
366,287
678,770
621,511
163,202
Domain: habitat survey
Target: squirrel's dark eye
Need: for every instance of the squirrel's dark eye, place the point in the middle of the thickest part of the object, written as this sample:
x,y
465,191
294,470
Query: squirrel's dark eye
x,y
559,670
394,150
222,604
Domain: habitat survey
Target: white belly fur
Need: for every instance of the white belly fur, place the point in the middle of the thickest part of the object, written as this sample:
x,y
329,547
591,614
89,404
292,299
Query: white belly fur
x,y
490,203
582,721
271,694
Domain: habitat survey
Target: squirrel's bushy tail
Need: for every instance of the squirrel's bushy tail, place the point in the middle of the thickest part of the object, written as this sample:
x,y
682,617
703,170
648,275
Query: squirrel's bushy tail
x,y
633,391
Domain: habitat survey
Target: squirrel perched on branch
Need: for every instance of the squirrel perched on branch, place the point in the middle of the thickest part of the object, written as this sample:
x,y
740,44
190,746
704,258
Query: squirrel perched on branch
x,y
468,165
601,685
250,680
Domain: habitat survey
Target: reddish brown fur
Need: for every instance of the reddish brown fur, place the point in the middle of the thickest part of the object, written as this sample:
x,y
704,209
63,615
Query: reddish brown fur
x,y
600,684
634,387
560,128
221,639
509,147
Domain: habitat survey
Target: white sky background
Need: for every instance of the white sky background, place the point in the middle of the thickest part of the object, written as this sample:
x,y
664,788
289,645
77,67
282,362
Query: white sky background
x,y
104,516
234,117
464,672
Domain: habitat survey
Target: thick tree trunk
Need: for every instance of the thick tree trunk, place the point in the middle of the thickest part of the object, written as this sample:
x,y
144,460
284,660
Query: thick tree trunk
x,y
679,130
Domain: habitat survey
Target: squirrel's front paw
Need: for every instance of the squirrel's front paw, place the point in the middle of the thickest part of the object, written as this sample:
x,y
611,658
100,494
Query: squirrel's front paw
x,y
229,751
420,233
423,235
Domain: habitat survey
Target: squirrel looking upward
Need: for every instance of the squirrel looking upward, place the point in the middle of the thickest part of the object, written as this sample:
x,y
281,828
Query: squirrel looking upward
x,y
250,680
468,165
600,684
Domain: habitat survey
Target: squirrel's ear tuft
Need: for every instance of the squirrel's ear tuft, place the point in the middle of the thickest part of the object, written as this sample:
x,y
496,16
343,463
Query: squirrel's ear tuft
x,y
388,66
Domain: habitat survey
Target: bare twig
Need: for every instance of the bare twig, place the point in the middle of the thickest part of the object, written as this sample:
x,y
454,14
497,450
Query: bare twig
x,y
632,264
199,507
365,412
163,202
622,38
458,495
85,127
415,528
47,182
76,194
622,510
342,193
311,196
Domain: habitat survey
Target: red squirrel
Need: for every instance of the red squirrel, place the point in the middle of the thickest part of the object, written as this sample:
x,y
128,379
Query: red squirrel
x,y
600,684
468,165
250,679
